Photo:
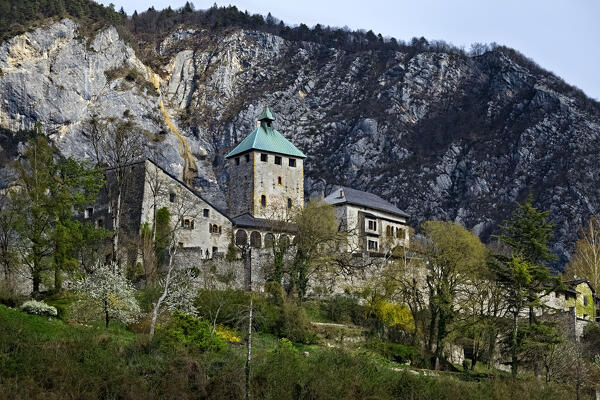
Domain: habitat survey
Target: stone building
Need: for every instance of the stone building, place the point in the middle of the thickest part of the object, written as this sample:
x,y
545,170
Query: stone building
x,y
266,185
375,225
266,189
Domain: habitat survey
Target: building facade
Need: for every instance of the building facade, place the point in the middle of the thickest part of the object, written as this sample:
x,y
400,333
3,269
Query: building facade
x,y
374,225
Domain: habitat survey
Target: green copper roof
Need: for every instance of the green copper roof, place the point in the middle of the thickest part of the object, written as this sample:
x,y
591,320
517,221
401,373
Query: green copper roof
x,y
267,139
266,114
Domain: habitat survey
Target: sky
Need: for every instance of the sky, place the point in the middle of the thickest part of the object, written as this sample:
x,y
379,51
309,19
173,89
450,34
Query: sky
x,y
562,36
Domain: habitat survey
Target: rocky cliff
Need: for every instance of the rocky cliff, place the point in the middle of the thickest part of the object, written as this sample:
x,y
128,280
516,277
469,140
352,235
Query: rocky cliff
x,y
440,134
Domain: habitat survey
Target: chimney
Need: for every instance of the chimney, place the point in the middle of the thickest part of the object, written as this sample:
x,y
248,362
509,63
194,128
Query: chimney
x,y
341,193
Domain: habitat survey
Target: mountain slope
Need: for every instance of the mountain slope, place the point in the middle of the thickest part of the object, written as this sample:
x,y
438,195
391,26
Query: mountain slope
x,y
439,133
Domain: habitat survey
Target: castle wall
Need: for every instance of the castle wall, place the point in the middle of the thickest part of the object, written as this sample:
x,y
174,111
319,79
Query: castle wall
x,y
200,225
241,186
277,183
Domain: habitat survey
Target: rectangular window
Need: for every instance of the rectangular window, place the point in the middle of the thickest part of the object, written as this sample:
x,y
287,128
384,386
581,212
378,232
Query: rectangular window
x,y
100,223
289,203
171,197
585,300
237,161
247,157
372,245
278,160
292,162
180,245
87,213
372,225
205,213
263,157
279,180
263,200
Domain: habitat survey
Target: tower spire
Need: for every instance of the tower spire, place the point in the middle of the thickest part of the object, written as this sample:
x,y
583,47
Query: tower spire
x,y
266,115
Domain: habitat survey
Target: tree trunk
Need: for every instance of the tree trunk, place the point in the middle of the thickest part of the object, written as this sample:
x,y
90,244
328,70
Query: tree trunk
x,y
163,296
513,351
249,353
116,227
106,314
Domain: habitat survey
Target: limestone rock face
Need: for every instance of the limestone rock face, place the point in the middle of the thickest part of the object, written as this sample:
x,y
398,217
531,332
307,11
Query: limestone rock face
x,y
441,135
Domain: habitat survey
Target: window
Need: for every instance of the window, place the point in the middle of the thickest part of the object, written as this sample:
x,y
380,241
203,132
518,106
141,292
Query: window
x,y
289,203
180,244
372,225
215,250
585,300
400,233
279,180
87,213
237,161
205,213
186,223
263,157
247,157
278,160
292,162
263,200
372,245
171,197
100,223
389,230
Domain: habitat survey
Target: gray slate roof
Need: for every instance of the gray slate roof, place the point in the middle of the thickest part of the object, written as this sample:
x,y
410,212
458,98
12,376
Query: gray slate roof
x,y
365,199
249,221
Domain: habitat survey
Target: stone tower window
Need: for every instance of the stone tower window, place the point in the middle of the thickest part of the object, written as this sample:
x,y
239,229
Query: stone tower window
x,y
237,161
247,157
263,157
205,213
289,203
292,162
172,197
279,180
585,300
263,200
278,160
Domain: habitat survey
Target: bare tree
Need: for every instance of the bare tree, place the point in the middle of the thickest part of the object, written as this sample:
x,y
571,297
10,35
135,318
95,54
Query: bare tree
x,y
116,144
183,206
585,262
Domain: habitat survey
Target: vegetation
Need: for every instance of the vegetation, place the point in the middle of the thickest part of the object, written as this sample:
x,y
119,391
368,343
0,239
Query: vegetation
x,y
97,363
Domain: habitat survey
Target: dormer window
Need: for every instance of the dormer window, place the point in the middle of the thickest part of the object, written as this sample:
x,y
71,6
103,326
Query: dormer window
x,y
292,162
278,160
263,157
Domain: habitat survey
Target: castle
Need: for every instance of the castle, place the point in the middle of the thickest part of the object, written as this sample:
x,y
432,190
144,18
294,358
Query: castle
x,y
266,188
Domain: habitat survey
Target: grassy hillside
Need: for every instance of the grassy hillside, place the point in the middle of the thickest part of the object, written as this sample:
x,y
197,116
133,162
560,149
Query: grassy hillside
x,y
47,358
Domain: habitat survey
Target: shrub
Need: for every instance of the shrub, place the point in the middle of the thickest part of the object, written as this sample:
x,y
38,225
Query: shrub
x,y
39,308
344,310
190,331
392,351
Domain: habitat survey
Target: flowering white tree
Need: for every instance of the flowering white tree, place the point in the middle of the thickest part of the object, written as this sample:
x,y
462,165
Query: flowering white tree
x,y
111,292
182,295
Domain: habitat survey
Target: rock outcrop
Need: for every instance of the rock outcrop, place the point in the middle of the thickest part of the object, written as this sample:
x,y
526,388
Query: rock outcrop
x,y
441,135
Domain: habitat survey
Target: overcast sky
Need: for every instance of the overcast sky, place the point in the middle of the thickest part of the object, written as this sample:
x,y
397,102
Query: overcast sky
x,y
563,36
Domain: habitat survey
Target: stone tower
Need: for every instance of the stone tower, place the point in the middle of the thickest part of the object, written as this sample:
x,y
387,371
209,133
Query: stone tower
x,y
266,173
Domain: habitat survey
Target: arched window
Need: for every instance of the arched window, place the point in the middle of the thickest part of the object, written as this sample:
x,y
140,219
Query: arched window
x,y
389,230
255,240
269,239
241,238
263,200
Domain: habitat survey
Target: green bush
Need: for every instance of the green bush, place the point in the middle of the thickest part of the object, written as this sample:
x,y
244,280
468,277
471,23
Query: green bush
x,y
192,332
345,310
392,351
